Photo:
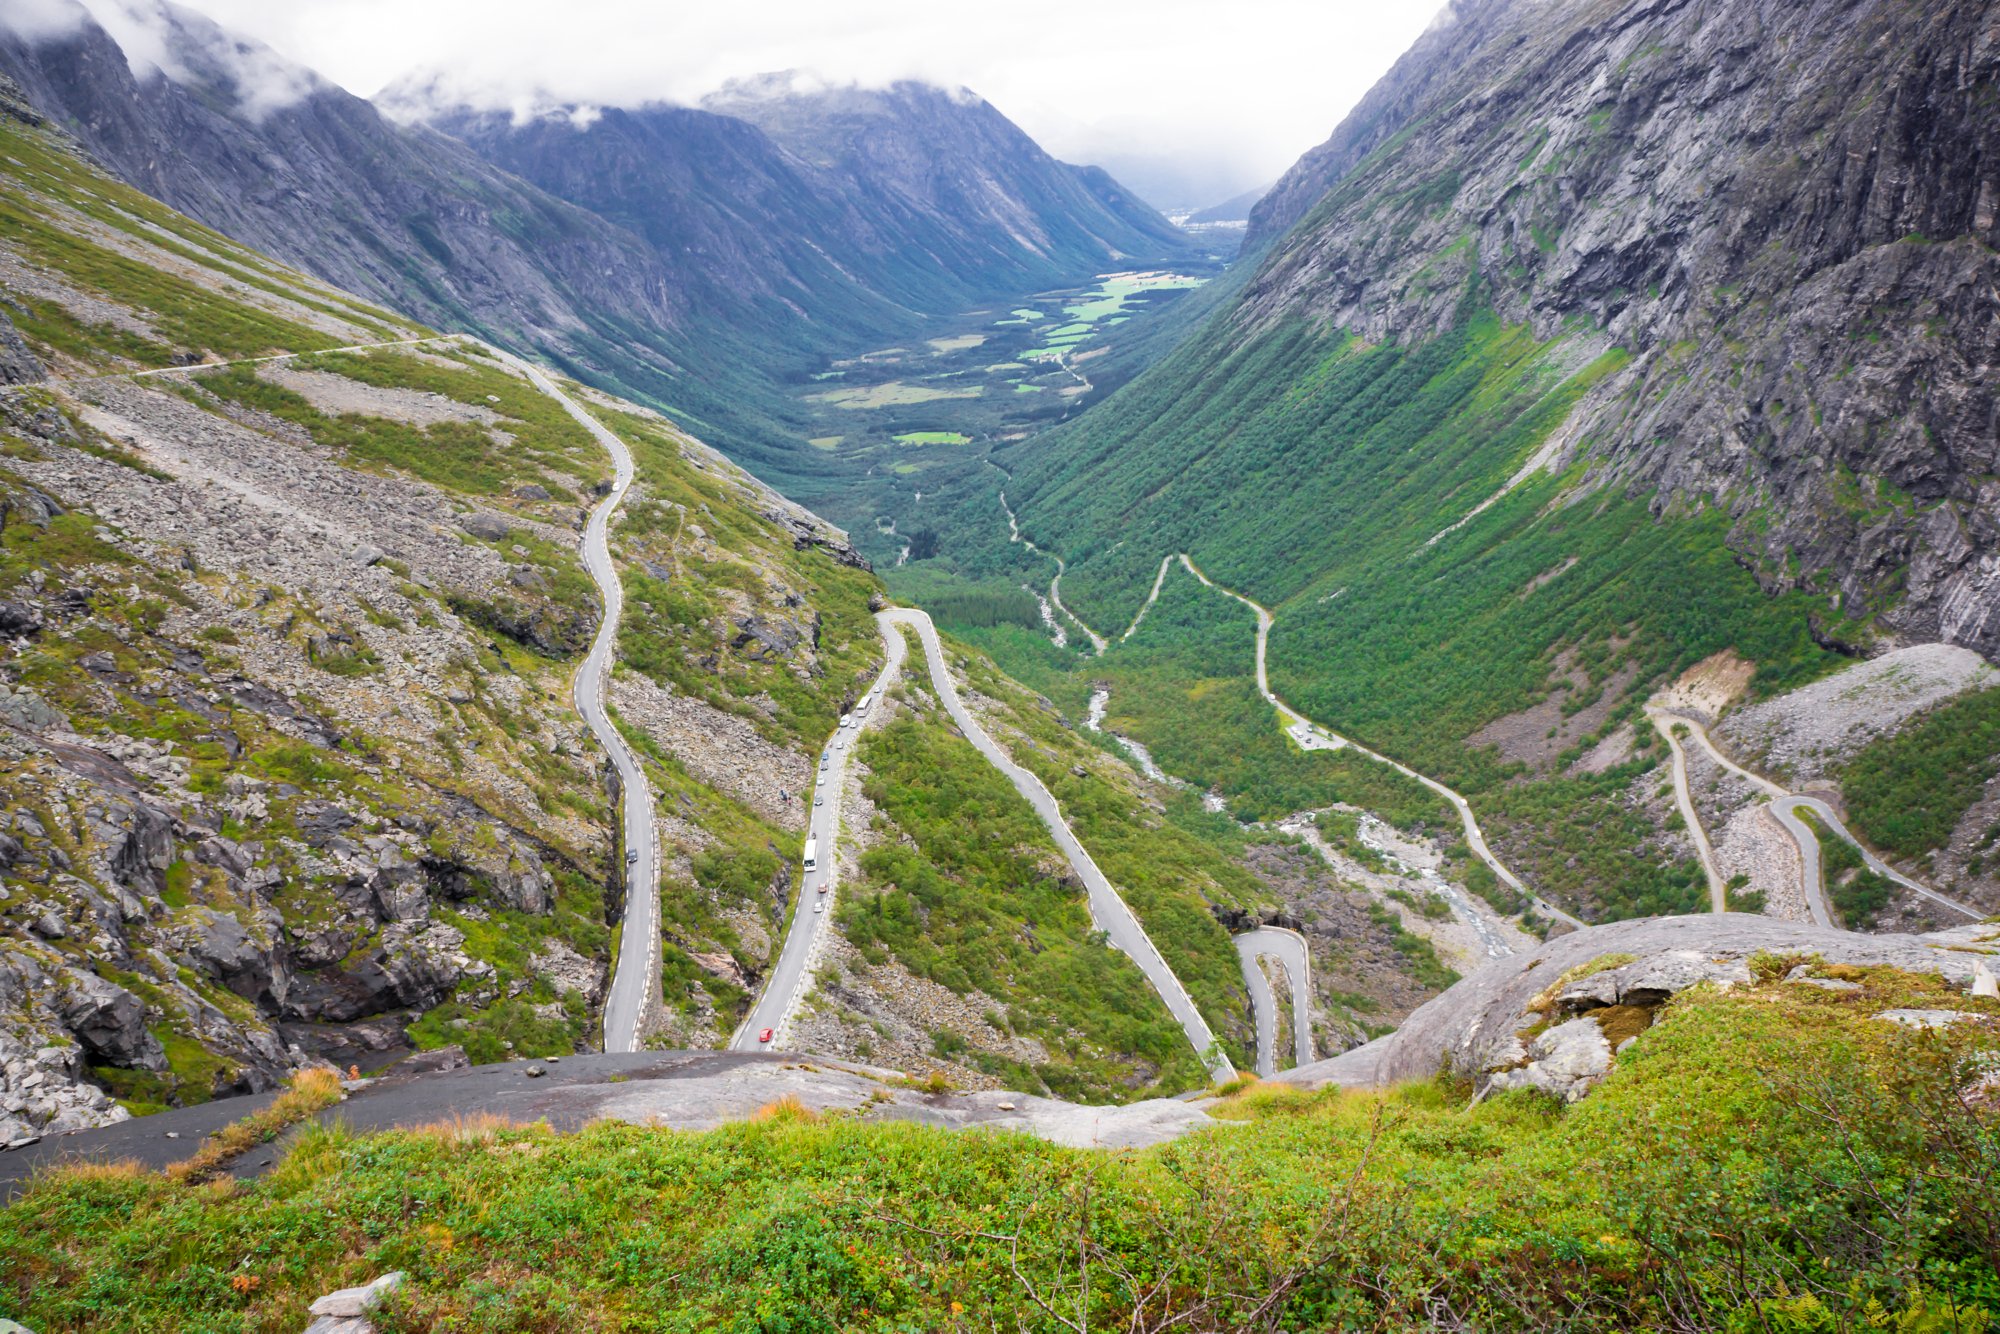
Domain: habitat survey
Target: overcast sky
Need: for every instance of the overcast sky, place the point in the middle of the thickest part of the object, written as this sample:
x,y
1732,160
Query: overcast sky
x,y
1180,97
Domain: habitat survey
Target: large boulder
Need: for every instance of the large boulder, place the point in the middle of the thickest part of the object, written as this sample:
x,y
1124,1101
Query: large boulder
x,y
109,1021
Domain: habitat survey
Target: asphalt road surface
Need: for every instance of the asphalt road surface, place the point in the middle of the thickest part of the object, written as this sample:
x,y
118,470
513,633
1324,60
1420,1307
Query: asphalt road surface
x,y
636,979
1108,911
786,985
1288,948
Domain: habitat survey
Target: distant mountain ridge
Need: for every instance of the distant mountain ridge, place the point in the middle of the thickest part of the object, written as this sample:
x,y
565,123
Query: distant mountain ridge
x,y
843,199
686,257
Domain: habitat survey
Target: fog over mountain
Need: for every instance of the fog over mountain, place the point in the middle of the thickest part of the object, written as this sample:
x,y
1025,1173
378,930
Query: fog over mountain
x,y
1194,105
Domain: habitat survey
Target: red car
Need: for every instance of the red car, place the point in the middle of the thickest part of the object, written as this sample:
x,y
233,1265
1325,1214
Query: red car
x,y
764,1035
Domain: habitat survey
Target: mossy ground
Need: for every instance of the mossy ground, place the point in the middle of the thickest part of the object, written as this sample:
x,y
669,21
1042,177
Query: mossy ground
x,y
1767,1159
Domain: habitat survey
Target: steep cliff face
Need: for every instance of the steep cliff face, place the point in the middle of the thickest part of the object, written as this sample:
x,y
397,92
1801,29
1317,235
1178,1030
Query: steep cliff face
x,y
1787,213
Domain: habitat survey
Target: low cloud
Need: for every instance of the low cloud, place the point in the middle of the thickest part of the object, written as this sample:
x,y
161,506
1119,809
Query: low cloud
x,y
1233,99
162,40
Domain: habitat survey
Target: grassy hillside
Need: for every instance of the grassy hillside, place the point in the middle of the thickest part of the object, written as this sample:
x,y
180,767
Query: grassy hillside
x,y
299,634
1768,1158
1368,496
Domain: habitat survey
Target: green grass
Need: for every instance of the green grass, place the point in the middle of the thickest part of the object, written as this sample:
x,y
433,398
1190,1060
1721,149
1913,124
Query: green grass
x,y
964,887
933,438
1768,1159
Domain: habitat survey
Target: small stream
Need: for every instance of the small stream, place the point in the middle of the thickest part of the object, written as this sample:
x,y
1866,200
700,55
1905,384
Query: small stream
x,y
1100,699
1377,835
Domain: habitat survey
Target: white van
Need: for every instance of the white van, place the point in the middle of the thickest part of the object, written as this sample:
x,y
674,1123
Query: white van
x,y
812,854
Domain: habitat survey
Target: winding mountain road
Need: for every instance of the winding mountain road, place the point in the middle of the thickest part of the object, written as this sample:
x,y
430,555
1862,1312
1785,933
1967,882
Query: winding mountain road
x,y
635,978
1786,804
1097,641
1289,949
1474,837
785,987
1108,911
1718,894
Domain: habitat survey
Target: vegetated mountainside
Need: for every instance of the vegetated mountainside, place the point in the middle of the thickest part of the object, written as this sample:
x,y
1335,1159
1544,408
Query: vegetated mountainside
x,y
290,765
1613,335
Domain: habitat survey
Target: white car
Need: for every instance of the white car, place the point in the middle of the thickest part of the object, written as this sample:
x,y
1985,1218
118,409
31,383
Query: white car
x,y
847,720
819,905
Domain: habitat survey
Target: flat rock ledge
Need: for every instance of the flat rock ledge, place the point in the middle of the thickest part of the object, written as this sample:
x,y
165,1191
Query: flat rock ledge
x,y
1554,1018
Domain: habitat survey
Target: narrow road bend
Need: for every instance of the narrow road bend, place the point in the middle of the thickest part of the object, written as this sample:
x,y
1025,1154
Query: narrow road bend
x,y
1108,910
1785,804
1718,894
1289,949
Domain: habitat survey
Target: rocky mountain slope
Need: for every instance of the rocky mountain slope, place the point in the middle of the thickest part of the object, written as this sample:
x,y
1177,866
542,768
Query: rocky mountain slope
x,y
291,771
291,603
1601,338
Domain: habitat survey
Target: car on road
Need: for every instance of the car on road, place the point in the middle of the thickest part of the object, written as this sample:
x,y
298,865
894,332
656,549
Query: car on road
x,y
763,1035
819,798
847,720
823,888
632,857
819,905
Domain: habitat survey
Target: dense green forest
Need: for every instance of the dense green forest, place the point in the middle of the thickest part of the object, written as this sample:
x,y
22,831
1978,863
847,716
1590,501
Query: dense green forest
x,y
1907,792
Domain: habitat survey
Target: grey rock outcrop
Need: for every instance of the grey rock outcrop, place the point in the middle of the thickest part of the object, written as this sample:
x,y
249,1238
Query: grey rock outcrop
x,y
1564,1061
18,365
1788,213
109,1021
1475,1027
346,1311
